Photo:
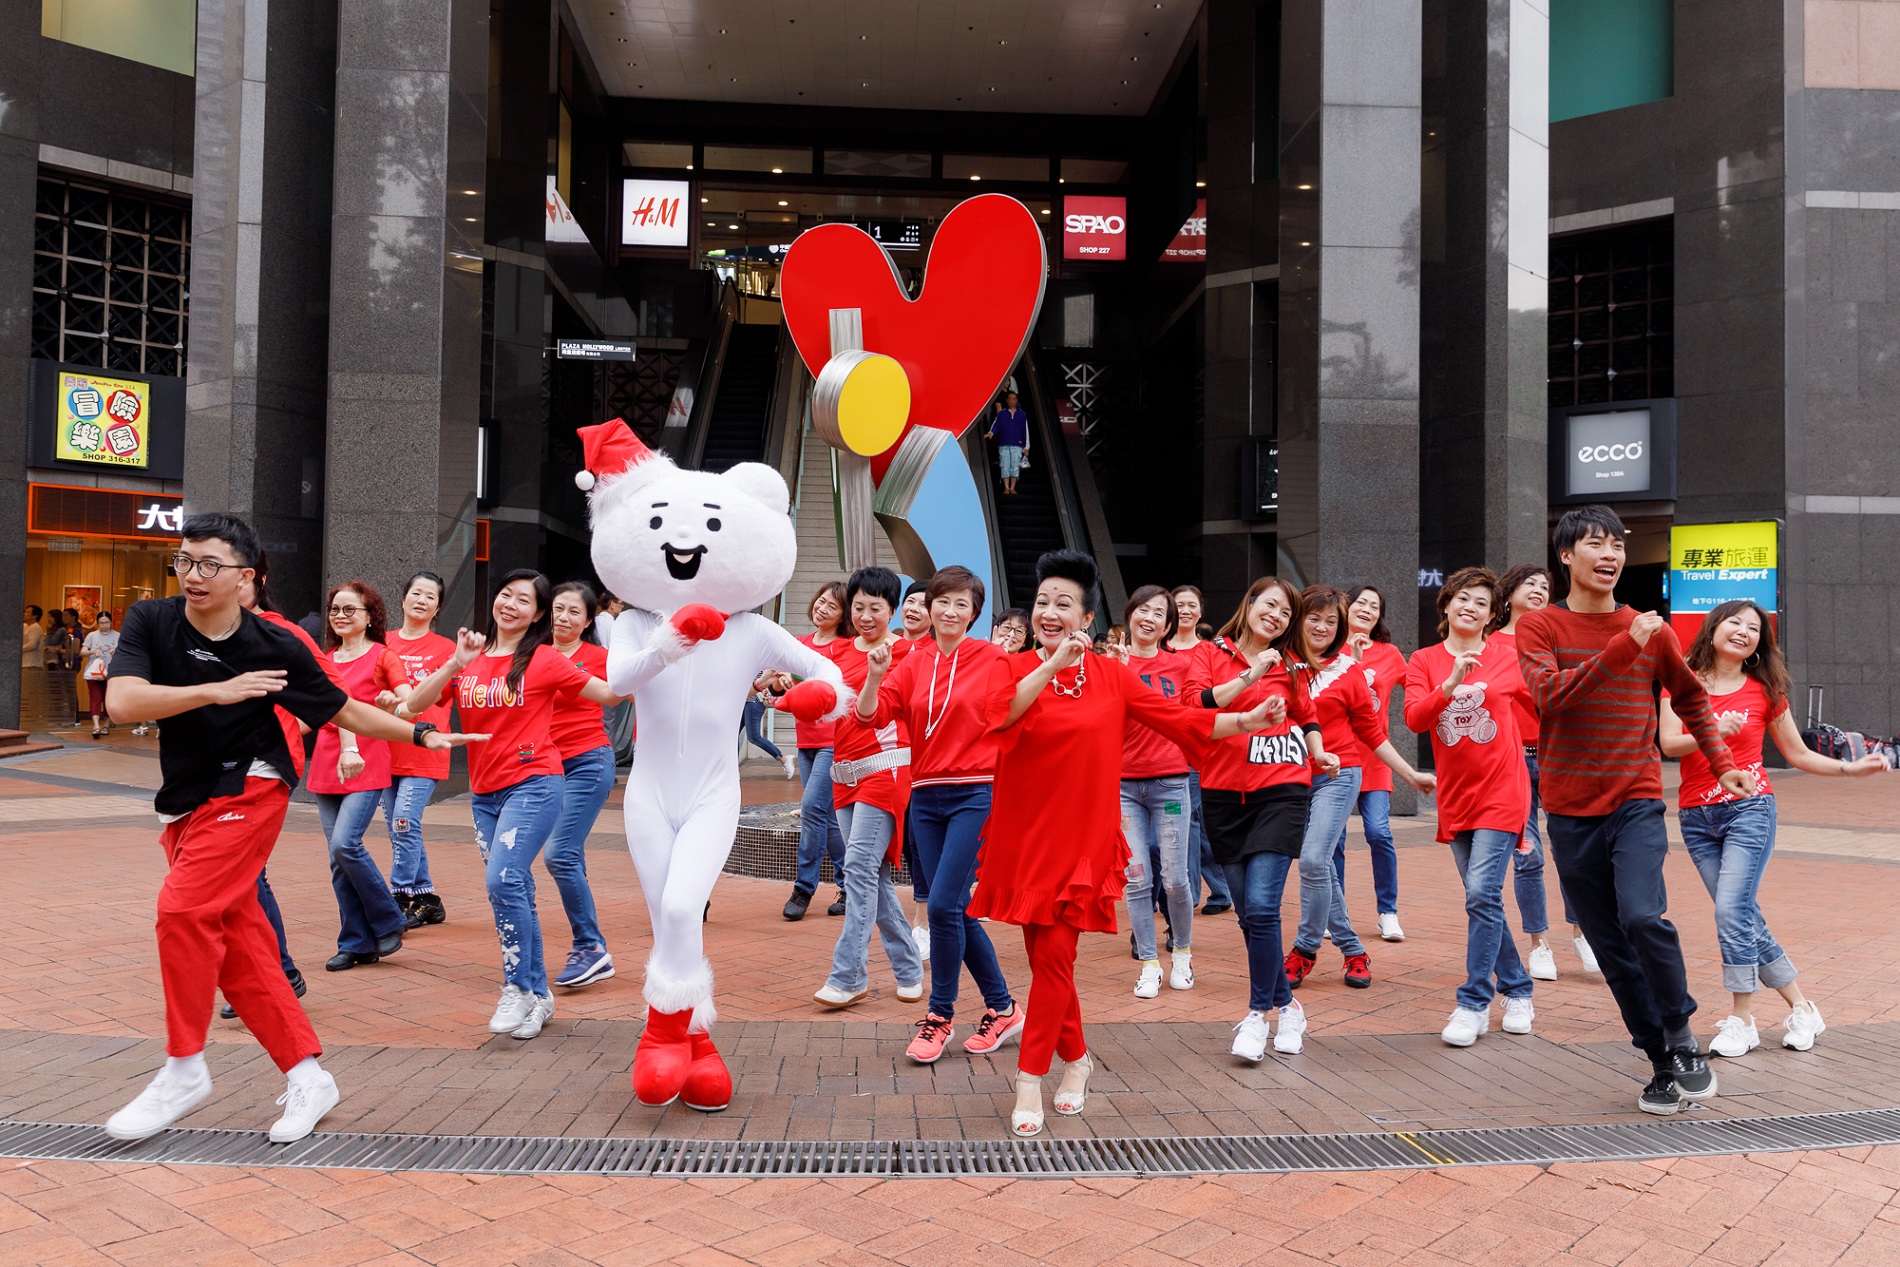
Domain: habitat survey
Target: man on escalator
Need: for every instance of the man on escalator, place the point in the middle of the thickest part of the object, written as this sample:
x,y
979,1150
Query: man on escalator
x,y
1010,430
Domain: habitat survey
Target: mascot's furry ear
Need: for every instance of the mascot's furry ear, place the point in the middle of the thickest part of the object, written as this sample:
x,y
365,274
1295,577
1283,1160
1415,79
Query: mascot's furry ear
x,y
612,452
761,483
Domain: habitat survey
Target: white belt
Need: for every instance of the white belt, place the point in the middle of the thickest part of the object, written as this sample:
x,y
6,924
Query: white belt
x,y
851,773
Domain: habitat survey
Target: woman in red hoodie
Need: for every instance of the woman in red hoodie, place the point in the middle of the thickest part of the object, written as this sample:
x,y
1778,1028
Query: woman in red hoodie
x,y
938,692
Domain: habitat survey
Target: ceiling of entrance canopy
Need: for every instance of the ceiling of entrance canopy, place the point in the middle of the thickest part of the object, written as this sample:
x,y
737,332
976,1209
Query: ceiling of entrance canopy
x,y
1032,56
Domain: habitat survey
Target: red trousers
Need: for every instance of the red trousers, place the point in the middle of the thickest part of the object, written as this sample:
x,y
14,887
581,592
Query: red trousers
x,y
1054,1023
212,934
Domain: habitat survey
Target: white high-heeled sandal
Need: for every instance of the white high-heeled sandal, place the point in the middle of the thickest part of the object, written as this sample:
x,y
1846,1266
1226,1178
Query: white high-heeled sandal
x,y
1069,1101
1023,1123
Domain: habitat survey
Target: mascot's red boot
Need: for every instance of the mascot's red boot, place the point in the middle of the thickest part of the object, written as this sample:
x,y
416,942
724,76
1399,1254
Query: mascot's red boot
x,y
663,1059
708,1083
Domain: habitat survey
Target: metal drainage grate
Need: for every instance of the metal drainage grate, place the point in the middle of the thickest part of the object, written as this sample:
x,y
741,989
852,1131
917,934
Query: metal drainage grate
x,y
897,1159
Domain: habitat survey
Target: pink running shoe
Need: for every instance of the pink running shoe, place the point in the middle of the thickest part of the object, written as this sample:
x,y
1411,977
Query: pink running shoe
x,y
933,1035
995,1029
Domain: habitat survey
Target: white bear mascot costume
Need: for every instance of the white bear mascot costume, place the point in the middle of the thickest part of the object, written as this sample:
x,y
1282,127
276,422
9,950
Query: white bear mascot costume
x,y
683,548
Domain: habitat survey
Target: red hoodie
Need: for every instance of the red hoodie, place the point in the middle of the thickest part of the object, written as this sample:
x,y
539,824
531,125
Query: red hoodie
x,y
940,700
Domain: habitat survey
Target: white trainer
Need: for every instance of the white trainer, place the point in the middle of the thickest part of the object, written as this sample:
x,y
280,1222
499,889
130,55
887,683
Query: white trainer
x,y
832,997
921,935
1150,983
910,993
1250,1036
1465,1026
1518,1015
1181,971
540,1012
305,1102
511,1011
1734,1037
1542,962
1803,1026
1291,1036
1584,953
166,1098
1389,929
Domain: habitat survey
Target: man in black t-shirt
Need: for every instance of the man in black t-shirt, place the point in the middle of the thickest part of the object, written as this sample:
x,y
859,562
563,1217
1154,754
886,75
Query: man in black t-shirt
x,y
214,674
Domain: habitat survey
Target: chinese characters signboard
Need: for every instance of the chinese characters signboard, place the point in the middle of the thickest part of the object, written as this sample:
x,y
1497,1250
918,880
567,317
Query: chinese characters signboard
x,y
103,512
103,420
1709,564
653,212
1094,228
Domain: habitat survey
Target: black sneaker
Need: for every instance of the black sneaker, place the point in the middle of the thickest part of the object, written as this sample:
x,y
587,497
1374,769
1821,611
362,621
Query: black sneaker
x,y
1661,1096
429,906
799,904
1690,1069
1217,908
228,1012
837,907
296,980
411,914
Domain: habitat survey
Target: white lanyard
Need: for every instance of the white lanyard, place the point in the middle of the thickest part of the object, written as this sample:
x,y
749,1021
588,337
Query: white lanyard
x,y
933,719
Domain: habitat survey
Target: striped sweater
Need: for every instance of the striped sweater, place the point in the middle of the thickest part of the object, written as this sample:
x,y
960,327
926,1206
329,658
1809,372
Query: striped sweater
x,y
1594,690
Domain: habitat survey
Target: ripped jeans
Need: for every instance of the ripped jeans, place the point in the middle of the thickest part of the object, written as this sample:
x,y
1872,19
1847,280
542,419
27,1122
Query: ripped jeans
x,y
511,826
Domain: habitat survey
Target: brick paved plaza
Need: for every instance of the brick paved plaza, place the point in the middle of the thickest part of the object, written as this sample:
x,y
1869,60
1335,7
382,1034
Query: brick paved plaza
x,y
81,1028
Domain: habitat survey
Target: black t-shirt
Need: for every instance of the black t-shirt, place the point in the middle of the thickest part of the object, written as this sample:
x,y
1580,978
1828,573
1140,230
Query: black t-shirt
x,y
207,751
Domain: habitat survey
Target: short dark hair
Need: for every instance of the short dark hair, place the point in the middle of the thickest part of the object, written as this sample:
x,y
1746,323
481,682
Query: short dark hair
x,y
441,589
1143,595
260,582
948,581
1472,578
874,582
590,603
1507,586
923,587
1314,598
234,532
1579,522
38,612
1074,567
1018,614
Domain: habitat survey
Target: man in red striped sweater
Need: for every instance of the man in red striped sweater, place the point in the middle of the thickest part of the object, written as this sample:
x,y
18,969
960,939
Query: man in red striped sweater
x,y
1592,666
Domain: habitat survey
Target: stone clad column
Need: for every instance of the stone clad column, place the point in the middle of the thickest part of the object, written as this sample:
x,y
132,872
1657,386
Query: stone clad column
x,y
404,333
19,176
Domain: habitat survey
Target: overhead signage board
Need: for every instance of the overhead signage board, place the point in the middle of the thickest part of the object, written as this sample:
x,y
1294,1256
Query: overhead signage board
x,y
1094,228
1190,244
105,421
653,212
594,349
1711,564
1624,452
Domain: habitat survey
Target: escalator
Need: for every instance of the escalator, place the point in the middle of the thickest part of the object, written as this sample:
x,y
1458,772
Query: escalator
x,y
1028,523
736,430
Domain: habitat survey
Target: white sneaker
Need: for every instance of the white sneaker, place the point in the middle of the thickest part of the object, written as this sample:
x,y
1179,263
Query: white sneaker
x,y
832,997
1465,1026
166,1098
1584,953
1250,1037
910,993
1542,962
1150,983
791,766
1518,1015
305,1103
1803,1026
1736,1037
1291,1035
512,1010
540,1012
921,935
1389,929
1181,974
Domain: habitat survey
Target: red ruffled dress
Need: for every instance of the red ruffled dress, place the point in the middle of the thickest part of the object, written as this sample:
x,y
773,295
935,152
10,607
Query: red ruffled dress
x,y
1053,851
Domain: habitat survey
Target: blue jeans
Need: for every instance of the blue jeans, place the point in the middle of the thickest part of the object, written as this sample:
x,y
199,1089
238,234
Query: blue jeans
x,y
367,911
1730,844
511,826
1201,855
1322,896
1375,816
1155,817
1527,869
589,779
1490,950
268,900
403,803
867,871
755,728
1258,884
820,829
947,822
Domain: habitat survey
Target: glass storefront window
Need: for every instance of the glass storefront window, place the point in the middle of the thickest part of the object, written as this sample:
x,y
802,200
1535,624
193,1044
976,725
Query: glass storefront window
x,y
757,158
162,33
89,571
658,154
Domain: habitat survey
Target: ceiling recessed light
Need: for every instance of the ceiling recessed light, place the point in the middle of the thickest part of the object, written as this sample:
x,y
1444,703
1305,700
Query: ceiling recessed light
x,y
1124,83
470,219
471,191
689,167
1045,211
722,30
1135,58
1302,186
1306,244
862,38
1003,43
778,171
783,203
705,200
732,226
1062,180
976,178
1200,184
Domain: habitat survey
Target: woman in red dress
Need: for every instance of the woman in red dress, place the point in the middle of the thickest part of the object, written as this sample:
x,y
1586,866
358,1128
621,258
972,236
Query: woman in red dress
x,y
1053,858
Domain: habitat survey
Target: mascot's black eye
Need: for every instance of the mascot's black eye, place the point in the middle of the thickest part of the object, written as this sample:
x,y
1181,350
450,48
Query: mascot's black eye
x,y
654,522
712,525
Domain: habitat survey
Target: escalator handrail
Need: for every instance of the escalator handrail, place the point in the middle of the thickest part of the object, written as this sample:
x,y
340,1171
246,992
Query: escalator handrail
x,y
977,454
694,455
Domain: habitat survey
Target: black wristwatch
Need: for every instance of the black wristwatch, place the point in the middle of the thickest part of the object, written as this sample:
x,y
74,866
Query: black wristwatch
x,y
422,728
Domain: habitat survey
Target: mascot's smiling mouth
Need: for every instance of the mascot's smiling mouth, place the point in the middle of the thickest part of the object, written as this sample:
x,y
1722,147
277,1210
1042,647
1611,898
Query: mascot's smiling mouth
x,y
683,565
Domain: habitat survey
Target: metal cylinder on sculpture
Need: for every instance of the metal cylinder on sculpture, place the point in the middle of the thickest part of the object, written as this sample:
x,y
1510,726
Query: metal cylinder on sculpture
x,y
859,406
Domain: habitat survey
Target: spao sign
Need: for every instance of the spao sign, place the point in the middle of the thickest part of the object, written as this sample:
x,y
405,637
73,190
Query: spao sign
x,y
1094,228
652,212
1614,454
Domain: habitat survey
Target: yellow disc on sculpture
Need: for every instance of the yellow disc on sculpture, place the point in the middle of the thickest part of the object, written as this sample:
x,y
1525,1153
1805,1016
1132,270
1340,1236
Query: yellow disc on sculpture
x,y
873,405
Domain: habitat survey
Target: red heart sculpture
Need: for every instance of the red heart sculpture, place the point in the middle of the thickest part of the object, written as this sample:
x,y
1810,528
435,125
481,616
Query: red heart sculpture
x,y
968,325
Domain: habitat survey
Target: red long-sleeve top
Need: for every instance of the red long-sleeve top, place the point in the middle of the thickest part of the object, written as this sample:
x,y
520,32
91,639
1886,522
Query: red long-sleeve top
x,y
941,700
1593,688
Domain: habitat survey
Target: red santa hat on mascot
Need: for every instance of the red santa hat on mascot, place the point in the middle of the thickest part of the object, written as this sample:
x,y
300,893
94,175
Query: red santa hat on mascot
x,y
611,452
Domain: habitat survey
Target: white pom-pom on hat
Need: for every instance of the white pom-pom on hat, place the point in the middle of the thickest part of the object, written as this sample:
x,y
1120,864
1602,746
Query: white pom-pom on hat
x,y
584,480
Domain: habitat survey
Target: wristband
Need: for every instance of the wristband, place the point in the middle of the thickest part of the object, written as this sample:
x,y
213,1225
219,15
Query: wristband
x,y
422,728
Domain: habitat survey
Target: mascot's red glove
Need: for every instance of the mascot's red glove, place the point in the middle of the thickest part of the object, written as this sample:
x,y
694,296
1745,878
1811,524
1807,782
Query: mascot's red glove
x,y
809,701
697,622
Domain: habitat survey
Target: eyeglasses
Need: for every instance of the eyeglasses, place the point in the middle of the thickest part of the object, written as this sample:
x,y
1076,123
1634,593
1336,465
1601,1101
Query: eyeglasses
x,y
184,565
345,611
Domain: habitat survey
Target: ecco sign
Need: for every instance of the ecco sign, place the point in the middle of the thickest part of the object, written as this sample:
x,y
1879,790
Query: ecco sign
x,y
1094,228
1621,454
1611,453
